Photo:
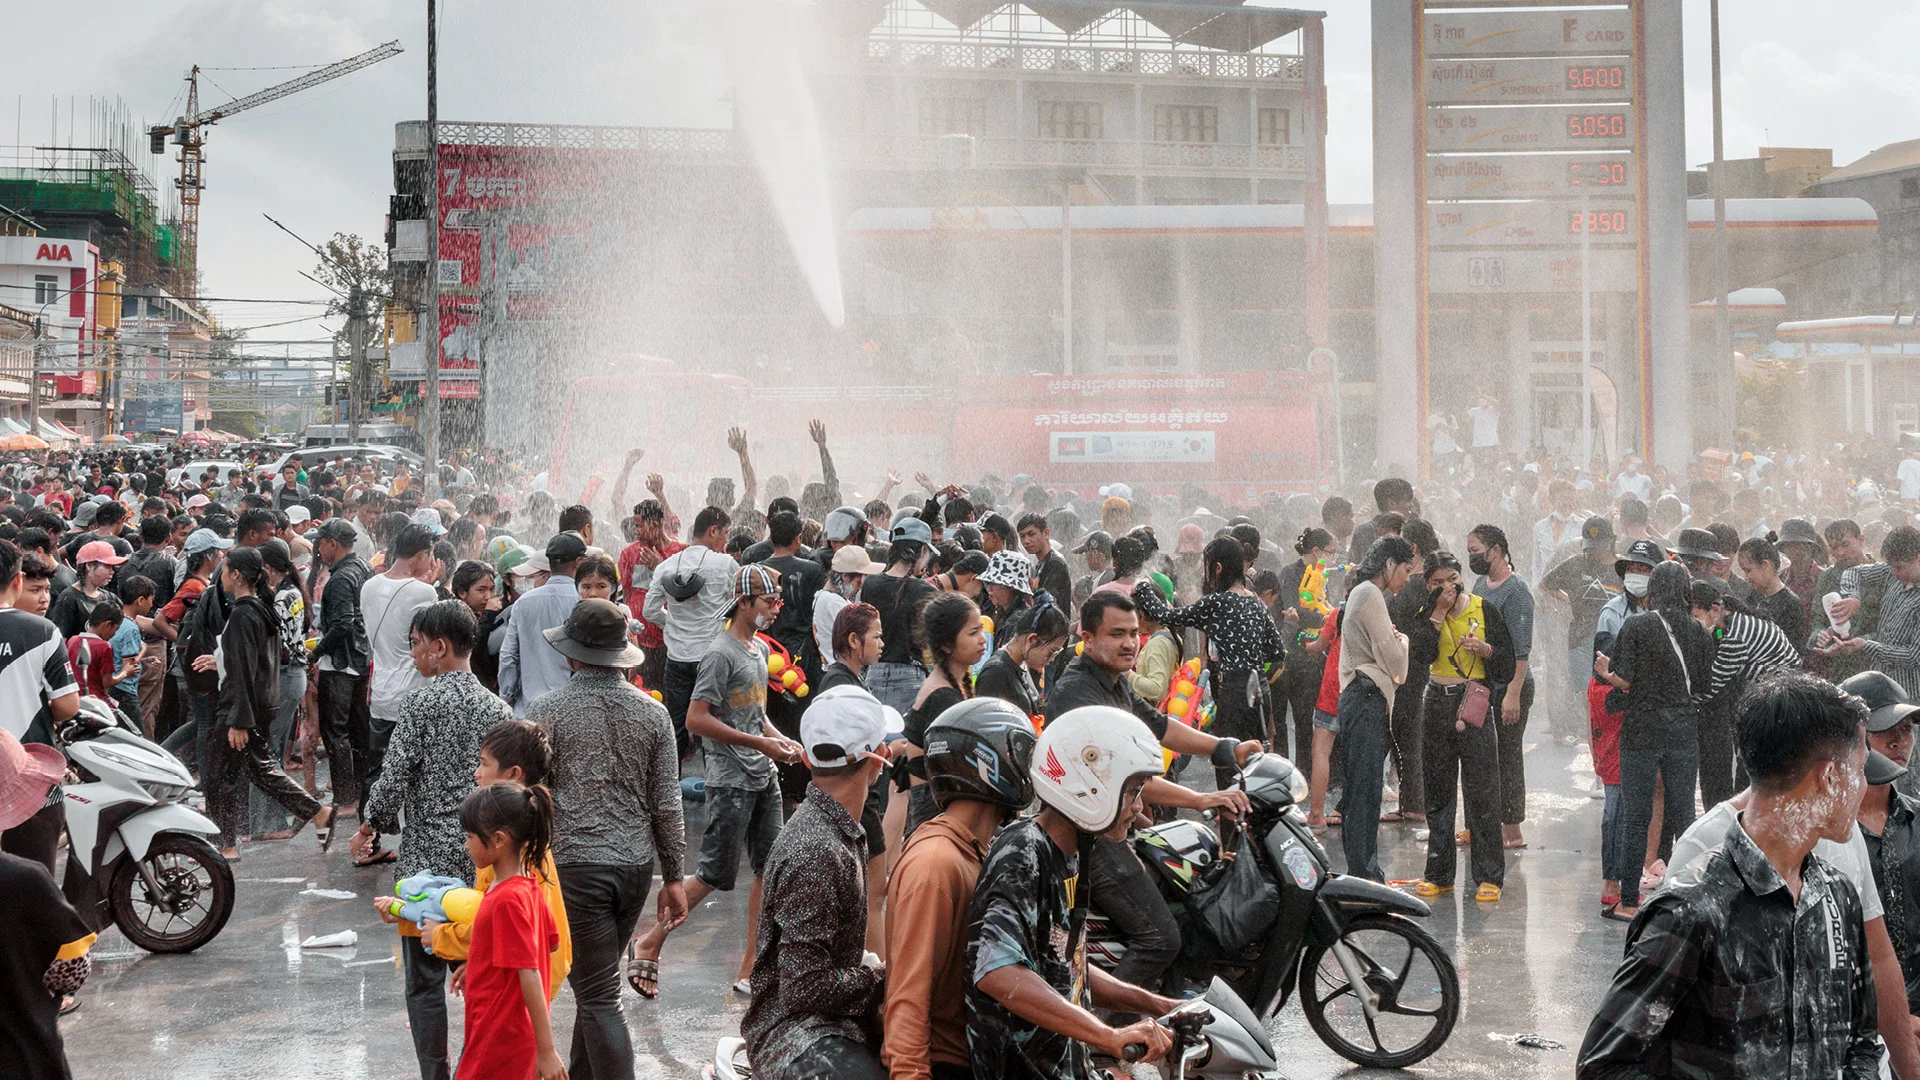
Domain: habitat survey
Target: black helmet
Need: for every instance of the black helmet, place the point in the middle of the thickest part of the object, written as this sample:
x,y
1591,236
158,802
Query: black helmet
x,y
981,749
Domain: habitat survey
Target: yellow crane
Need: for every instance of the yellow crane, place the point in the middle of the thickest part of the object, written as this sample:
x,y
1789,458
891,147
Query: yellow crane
x,y
189,135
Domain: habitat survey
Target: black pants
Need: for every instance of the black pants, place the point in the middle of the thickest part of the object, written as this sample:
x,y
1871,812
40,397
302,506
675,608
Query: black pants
x,y
38,837
676,686
1233,718
1409,706
426,977
1717,780
1513,763
1302,682
227,769
1363,760
1121,889
1661,743
834,1057
1460,760
347,730
603,906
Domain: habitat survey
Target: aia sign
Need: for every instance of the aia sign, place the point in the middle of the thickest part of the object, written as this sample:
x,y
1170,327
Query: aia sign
x,y
54,253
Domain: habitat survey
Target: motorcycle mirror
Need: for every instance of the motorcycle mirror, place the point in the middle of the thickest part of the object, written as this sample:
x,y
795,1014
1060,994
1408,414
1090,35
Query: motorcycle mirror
x,y
1253,689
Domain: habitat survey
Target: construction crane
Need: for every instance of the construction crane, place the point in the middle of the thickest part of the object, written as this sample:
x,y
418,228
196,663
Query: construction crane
x,y
189,135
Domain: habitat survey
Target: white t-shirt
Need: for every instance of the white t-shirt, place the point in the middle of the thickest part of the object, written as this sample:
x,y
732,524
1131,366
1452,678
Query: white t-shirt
x,y
1711,829
1486,425
387,604
1639,485
1909,474
827,606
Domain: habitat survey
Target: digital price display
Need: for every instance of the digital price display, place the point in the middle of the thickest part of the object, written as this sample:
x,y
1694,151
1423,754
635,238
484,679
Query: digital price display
x,y
1610,125
1597,77
1597,222
1596,173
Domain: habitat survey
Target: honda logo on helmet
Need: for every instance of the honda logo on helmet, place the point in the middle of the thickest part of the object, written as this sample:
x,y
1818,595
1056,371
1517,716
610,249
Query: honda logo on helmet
x,y
1052,769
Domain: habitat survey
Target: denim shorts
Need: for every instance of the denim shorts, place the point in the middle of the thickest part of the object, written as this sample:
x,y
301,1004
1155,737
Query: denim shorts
x,y
1326,721
736,818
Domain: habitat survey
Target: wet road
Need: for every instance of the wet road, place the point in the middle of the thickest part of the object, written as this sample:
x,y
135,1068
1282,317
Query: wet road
x,y
252,1004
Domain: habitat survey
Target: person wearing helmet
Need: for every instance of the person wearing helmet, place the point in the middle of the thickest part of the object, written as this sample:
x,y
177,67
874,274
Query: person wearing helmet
x,y
845,526
1029,987
977,761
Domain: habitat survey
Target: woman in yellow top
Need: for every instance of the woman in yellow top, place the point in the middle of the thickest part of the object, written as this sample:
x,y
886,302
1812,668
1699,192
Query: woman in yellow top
x,y
1468,650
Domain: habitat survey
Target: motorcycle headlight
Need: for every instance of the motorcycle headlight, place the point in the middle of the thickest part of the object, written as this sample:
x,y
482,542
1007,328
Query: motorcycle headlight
x,y
165,792
1297,787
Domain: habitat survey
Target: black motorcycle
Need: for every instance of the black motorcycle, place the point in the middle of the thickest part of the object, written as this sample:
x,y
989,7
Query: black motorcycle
x,y
1375,986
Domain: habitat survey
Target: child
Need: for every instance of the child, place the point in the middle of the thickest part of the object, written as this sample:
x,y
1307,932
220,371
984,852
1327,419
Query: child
x,y
92,657
511,752
508,978
136,600
1615,862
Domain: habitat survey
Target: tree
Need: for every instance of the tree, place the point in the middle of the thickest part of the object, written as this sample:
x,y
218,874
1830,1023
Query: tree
x,y
349,264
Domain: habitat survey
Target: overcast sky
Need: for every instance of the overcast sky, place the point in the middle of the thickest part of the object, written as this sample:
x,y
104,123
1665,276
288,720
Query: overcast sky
x,y
1838,74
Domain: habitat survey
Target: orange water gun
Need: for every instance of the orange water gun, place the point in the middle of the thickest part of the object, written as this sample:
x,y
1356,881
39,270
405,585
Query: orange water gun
x,y
1183,701
783,674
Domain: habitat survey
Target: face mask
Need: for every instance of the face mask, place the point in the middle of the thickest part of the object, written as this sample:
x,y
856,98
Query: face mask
x,y
1480,564
1636,584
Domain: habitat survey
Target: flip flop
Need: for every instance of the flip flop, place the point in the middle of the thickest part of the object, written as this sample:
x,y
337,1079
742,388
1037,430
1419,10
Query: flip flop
x,y
743,988
1512,845
642,970
325,832
1391,817
1612,912
380,855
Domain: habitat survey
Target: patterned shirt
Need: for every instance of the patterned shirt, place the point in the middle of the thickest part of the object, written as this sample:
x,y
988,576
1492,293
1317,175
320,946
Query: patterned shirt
x,y
1895,857
1725,975
429,771
1021,914
1239,629
807,979
1895,645
616,775
1750,647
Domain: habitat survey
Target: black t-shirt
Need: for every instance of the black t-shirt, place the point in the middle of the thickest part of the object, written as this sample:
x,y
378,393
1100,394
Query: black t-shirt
x,y
1009,680
1786,611
1588,588
1055,578
800,578
898,600
35,923
838,674
1082,682
917,718
69,613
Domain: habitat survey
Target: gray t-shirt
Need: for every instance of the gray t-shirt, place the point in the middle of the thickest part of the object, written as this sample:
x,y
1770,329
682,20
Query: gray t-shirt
x,y
1514,601
733,683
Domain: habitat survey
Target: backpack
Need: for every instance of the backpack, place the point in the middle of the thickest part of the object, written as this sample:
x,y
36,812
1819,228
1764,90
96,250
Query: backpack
x,y
199,636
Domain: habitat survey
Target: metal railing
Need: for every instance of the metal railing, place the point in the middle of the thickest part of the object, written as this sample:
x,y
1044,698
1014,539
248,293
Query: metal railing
x,y
1118,60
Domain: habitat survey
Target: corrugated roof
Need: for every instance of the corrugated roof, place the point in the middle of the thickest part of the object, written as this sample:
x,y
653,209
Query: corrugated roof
x,y
1216,24
1889,158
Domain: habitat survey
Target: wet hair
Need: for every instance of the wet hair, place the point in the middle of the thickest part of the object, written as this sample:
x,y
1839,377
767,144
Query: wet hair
x,y
36,567
1265,581
253,520
783,527
1129,555
1726,538
1901,545
248,566
1042,618
1094,611
109,513
1334,507
133,587
708,518
279,560
1493,536
876,508
462,531
524,813
1667,589
1389,524
411,540
1391,490
106,610
1761,549
1419,532
958,509
1789,722
645,510
468,574
518,743
1310,538
450,621
1840,530
905,551
155,530
973,562
1384,550
854,620
1031,520
1633,512
1225,562
575,518
938,627
597,565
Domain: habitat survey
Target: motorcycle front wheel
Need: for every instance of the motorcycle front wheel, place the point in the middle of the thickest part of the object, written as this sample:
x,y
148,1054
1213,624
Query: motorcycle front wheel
x,y
1418,987
194,902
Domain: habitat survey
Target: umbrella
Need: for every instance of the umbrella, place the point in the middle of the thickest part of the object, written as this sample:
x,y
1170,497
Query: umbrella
x,y
22,441
196,437
109,440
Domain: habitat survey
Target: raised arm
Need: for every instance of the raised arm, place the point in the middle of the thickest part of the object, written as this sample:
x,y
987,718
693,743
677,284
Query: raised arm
x,y
818,430
749,489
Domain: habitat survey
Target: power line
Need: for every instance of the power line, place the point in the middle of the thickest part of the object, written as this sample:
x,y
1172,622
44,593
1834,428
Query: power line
x,y
183,299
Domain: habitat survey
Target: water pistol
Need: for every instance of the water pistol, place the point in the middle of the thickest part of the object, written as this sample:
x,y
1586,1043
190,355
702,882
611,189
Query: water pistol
x,y
1186,696
1313,594
783,675
425,898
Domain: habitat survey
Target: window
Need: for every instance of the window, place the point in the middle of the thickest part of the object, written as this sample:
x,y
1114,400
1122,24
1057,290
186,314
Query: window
x,y
1276,127
1910,187
46,289
1186,123
1070,120
953,116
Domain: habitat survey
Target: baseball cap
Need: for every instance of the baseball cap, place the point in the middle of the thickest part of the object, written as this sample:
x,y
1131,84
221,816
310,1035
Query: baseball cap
x,y
1640,551
298,515
195,502
1595,533
514,557
566,547
1881,769
536,562
1097,540
430,518
206,540
755,579
912,529
845,724
1191,541
338,530
1116,491
852,559
98,551
1886,698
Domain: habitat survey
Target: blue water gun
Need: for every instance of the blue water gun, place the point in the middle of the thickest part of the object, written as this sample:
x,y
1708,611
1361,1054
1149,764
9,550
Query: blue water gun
x,y
420,898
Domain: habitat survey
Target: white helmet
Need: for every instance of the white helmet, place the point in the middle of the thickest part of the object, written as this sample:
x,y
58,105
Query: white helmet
x,y
1084,759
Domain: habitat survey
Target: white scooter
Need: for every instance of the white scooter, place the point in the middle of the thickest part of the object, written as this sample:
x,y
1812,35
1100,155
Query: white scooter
x,y
1214,1034
137,854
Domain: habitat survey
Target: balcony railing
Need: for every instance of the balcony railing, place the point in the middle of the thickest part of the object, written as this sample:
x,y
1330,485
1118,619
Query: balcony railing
x,y
1117,60
928,151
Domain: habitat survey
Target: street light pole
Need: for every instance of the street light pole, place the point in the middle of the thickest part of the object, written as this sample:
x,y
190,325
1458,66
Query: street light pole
x,y
1724,376
430,316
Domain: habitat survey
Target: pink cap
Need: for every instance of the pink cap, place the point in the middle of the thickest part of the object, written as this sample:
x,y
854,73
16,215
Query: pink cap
x,y
195,502
98,551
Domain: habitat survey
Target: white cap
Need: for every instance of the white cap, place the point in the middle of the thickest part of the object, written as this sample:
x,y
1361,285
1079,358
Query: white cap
x,y
1116,491
535,563
298,515
849,720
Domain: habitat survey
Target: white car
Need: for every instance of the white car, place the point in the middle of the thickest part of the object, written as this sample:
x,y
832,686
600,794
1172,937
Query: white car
x,y
383,456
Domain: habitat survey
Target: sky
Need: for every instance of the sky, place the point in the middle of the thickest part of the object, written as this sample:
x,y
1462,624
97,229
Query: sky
x,y
321,161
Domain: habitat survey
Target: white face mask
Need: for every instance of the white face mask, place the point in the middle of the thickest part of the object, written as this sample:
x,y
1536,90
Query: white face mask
x,y
1636,584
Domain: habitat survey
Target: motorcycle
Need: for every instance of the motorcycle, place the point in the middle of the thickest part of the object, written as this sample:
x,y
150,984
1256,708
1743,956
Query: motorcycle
x,y
1214,1034
138,855
1368,975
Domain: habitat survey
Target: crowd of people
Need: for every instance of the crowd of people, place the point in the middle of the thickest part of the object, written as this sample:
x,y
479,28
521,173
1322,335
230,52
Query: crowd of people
x,y
914,714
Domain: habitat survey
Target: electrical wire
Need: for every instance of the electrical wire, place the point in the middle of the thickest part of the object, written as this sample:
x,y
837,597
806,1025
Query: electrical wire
x,y
183,299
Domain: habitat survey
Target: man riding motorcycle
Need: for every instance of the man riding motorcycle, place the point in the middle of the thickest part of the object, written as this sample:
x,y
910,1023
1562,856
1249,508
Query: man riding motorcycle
x,y
1029,987
978,754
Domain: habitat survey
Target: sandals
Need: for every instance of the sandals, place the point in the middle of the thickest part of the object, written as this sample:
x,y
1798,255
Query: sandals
x,y
325,832
1392,817
641,970
380,855
1430,888
743,988
1463,838
1613,912
1487,893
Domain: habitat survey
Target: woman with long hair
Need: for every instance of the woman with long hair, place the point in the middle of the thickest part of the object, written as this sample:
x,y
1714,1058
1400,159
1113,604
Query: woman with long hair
x,y
1300,627
1373,663
290,608
1028,642
951,640
898,593
1240,633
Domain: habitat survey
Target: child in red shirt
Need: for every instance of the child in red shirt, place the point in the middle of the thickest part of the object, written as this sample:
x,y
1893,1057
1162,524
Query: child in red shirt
x,y
1326,721
508,974
1615,863
91,655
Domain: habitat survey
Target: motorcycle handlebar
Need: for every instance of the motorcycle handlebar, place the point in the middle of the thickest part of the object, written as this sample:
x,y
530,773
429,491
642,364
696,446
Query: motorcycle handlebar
x,y
1133,1052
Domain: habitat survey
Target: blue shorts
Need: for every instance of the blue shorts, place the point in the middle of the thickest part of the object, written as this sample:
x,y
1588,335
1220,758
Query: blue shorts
x,y
1326,721
736,818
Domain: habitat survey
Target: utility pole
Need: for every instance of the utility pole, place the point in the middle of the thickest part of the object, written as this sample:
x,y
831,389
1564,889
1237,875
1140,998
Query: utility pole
x,y
356,358
430,315
33,380
1723,374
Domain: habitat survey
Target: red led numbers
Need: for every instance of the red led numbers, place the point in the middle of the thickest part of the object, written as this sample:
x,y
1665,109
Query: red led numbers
x,y
1606,77
1597,222
1596,173
1596,125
